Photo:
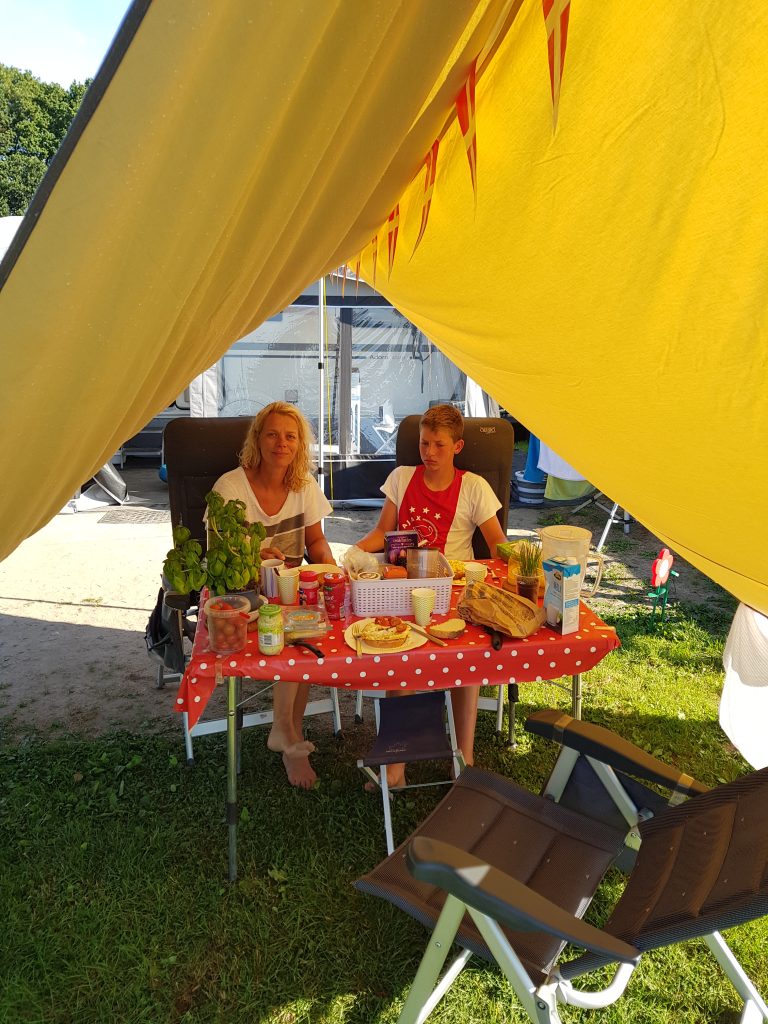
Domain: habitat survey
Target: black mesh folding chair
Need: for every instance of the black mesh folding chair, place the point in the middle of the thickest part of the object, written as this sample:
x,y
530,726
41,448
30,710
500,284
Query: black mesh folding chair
x,y
489,448
414,727
197,452
509,875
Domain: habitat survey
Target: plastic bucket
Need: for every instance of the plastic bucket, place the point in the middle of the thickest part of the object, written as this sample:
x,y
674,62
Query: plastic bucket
x,y
571,542
529,493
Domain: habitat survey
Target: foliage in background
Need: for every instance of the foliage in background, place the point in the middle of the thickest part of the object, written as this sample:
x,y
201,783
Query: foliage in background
x,y
34,118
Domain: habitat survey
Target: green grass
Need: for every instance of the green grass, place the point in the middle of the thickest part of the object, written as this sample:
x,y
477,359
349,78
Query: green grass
x,y
113,866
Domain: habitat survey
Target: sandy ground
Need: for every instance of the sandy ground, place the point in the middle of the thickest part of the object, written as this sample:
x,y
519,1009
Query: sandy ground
x,y
75,599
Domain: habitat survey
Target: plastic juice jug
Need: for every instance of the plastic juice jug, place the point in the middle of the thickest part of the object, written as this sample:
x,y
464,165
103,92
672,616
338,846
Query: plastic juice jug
x,y
571,542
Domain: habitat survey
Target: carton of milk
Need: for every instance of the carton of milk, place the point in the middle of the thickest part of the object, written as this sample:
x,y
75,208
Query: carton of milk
x,y
562,578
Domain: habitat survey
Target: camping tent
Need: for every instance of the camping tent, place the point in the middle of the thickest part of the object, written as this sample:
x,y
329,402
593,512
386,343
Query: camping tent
x,y
593,253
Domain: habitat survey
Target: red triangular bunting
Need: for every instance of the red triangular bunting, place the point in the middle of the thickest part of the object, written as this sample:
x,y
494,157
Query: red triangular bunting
x,y
393,226
465,111
556,21
430,164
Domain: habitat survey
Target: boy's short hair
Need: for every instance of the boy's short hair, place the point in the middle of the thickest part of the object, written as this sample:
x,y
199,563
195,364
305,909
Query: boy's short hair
x,y
444,417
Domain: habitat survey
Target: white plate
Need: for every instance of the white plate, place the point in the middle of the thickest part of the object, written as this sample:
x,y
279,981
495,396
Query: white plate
x,y
414,640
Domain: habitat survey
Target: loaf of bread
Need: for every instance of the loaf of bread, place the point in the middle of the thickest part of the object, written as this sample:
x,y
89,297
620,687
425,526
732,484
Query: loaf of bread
x,y
447,630
386,632
486,605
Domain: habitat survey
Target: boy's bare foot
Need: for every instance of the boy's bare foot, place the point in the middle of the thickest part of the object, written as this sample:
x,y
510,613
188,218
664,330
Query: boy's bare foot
x,y
297,767
395,779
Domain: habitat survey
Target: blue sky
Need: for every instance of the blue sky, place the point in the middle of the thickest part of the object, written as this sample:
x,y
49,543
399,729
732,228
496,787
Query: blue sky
x,y
58,40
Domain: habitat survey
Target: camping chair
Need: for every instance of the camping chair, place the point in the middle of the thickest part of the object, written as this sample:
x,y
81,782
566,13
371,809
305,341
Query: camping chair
x,y
489,448
197,451
411,728
524,869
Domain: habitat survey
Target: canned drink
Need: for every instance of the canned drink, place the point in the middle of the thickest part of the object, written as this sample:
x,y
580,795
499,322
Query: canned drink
x,y
334,592
397,542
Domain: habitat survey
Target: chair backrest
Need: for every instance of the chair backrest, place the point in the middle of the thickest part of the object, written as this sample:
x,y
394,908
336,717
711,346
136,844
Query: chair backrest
x,y
489,448
197,451
702,867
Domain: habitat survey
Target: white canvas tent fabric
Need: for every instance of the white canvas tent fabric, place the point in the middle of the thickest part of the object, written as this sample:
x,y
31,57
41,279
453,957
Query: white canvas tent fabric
x,y
613,261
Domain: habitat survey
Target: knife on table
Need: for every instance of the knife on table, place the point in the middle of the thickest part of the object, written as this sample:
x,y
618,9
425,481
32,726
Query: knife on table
x,y
307,647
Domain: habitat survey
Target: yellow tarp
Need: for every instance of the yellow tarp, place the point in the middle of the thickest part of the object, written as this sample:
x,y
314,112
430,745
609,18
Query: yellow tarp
x,y
608,286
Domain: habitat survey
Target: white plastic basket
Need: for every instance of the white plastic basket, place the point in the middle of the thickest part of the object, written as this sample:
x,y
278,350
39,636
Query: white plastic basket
x,y
393,597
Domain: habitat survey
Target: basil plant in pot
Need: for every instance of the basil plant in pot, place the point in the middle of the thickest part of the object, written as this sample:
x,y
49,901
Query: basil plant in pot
x,y
233,558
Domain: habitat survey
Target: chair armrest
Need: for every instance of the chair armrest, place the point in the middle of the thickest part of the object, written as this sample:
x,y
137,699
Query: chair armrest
x,y
504,899
179,602
606,746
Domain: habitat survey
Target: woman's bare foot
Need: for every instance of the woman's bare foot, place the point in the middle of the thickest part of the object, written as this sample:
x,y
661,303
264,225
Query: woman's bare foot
x,y
280,741
395,779
297,767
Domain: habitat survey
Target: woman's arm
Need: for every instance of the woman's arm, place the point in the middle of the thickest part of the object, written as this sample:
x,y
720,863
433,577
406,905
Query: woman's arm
x,y
492,534
317,546
374,541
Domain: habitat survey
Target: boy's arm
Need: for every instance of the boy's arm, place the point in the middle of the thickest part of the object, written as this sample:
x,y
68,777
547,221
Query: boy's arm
x,y
492,534
374,541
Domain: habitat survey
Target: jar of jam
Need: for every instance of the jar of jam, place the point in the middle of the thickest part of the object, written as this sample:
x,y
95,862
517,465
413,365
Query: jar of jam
x,y
271,629
334,592
308,587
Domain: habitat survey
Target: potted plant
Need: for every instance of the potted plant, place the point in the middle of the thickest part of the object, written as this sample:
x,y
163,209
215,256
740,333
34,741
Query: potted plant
x,y
233,558
528,554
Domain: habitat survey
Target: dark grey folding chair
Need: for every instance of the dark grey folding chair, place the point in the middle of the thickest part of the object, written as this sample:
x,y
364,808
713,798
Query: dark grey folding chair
x,y
489,448
508,875
197,451
414,727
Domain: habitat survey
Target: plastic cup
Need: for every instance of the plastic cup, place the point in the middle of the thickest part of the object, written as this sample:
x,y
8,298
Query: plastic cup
x,y
288,586
227,623
475,572
422,602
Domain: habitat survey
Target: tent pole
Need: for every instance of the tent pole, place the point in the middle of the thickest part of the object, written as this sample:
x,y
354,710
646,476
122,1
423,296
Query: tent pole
x,y
321,368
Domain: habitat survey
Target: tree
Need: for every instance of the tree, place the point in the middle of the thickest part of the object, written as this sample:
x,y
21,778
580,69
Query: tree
x,y
34,118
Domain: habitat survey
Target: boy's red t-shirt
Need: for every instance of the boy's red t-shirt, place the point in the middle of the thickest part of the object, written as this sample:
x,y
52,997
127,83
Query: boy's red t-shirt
x,y
428,512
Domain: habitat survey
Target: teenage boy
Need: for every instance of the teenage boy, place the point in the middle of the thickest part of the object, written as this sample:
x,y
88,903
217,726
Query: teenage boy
x,y
444,505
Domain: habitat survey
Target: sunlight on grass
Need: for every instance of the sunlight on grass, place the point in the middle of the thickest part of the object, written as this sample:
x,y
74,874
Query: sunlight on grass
x,y
114,858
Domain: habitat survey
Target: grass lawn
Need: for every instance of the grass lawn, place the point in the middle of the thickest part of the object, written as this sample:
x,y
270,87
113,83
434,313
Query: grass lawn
x,y
113,863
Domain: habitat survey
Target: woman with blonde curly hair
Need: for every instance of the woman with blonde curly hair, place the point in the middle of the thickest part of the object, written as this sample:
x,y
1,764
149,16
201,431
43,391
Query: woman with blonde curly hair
x,y
275,481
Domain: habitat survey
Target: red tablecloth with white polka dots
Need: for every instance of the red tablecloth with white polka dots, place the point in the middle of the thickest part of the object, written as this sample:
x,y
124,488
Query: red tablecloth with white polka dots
x,y
468,661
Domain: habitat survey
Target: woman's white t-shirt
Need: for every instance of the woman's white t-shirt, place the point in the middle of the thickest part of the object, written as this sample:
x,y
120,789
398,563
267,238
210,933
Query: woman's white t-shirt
x,y
285,529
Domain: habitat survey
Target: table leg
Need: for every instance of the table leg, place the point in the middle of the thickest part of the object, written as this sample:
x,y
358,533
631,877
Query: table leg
x,y
239,721
232,774
513,693
576,695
